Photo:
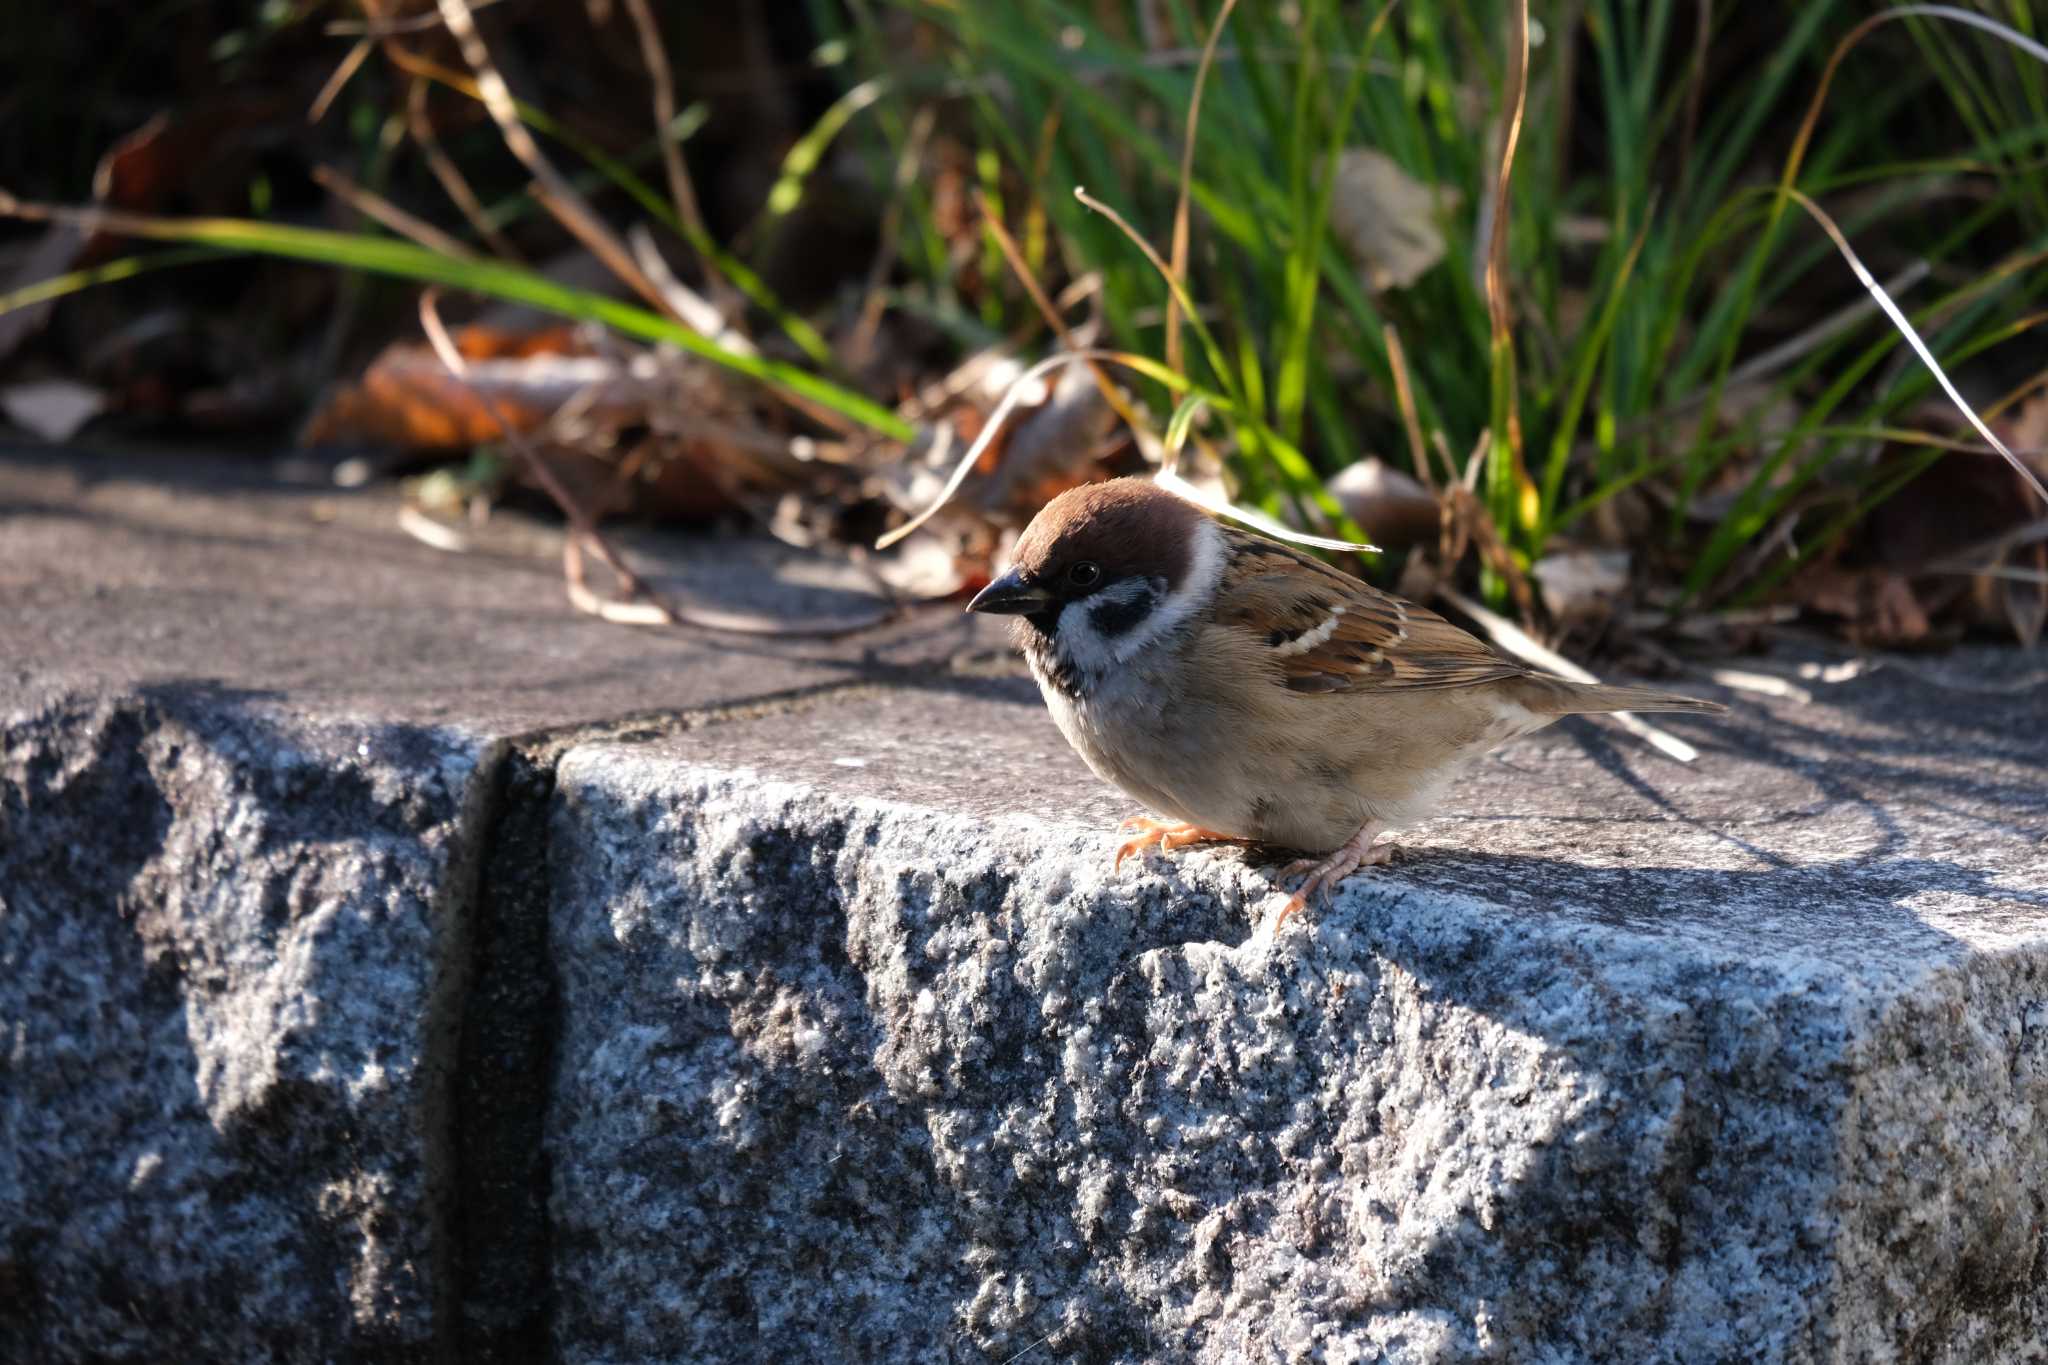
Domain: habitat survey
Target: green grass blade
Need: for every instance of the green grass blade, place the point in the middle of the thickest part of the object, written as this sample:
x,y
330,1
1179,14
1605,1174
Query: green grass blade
x,y
126,268
404,260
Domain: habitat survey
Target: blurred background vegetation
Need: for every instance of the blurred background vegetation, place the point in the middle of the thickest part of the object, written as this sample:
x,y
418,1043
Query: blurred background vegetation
x,y
780,263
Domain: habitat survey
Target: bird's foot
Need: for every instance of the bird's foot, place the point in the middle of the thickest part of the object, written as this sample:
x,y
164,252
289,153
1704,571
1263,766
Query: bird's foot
x,y
1168,834
1323,874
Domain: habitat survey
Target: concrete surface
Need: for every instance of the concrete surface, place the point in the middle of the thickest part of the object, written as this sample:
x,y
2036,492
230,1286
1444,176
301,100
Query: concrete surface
x,y
397,965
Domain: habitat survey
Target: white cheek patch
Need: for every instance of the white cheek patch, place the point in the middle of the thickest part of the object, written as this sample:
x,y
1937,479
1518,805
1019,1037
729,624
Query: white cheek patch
x,y
1309,639
1084,648
1088,651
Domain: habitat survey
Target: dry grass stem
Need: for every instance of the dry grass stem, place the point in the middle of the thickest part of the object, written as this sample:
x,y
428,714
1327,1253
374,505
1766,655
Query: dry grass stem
x,y
1179,244
1404,396
581,524
388,28
1112,394
696,311
652,608
989,431
419,124
336,83
1516,94
554,191
874,297
1920,348
438,535
679,188
1175,289
375,206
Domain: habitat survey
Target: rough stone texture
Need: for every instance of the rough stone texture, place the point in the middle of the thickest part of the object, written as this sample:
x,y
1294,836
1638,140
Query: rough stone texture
x,y
396,965
226,950
866,1055
272,1049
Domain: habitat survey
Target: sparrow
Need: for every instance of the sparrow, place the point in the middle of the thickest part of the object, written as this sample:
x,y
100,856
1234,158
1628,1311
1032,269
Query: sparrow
x,y
1250,693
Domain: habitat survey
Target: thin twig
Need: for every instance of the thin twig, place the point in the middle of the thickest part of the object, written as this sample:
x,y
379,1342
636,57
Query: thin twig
x,y
373,205
679,188
1179,244
554,191
1404,397
1892,311
873,300
386,28
337,82
420,124
654,609
581,524
1111,393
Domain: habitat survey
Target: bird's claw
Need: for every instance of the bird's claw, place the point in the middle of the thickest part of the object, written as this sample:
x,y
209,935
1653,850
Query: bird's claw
x,y
1323,874
1168,834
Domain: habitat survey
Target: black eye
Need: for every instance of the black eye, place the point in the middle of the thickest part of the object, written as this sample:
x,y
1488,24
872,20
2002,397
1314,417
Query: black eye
x,y
1085,574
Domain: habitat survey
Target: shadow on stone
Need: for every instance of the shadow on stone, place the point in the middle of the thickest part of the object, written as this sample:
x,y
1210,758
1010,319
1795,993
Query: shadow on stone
x,y
227,939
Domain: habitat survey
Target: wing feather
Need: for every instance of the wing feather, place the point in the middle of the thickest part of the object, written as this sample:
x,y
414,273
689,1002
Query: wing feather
x,y
1329,632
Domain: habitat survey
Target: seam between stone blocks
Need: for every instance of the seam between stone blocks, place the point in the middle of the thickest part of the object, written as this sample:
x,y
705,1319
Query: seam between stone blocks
x,y
494,1018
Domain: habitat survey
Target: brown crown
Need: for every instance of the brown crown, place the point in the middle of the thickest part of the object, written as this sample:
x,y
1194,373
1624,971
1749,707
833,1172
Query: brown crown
x,y
1128,526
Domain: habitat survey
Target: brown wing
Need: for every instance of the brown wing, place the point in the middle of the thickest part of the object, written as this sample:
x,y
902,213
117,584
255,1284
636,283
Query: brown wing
x,y
1329,632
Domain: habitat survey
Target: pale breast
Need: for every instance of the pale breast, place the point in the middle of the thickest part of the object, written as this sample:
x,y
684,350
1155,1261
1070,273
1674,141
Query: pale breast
x,y
1225,747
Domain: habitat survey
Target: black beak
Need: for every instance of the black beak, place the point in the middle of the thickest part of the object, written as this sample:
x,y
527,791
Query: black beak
x,y
1010,595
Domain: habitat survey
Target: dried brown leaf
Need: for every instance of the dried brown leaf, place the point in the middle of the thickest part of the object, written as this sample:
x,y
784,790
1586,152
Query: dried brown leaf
x,y
1386,218
1876,606
1393,509
54,409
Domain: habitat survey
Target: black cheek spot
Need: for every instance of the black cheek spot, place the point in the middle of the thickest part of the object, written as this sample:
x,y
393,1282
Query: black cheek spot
x,y
1112,617
1278,638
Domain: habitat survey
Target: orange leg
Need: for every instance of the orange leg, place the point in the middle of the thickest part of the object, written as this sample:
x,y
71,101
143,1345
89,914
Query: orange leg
x,y
1324,873
1169,835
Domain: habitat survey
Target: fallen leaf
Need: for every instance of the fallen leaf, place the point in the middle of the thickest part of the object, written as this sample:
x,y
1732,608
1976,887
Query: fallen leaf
x,y
408,400
1386,218
1051,448
53,409
1393,509
1582,587
1878,607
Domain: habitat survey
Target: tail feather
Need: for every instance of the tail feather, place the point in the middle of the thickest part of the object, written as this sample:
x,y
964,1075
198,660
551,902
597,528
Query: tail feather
x,y
1559,697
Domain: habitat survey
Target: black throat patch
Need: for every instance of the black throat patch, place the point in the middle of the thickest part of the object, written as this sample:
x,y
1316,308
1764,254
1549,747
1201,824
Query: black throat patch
x,y
1063,677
